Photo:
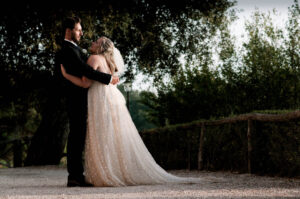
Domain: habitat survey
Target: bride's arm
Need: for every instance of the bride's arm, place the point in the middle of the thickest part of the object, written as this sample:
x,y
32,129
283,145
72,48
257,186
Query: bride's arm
x,y
83,82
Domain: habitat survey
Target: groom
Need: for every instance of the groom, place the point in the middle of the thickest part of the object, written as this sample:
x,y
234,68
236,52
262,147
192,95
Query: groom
x,y
74,62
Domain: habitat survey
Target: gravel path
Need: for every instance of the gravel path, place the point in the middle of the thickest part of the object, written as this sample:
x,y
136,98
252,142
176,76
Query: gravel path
x,y
50,182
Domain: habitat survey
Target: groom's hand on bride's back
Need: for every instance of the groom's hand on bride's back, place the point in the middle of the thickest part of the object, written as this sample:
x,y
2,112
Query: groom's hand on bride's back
x,y
114,80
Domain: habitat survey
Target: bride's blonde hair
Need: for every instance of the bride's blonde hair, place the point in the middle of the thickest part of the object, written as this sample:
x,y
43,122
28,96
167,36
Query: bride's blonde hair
x,y
106,48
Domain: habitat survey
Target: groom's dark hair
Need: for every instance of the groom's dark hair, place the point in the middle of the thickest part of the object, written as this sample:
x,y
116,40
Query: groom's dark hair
x,y
70,22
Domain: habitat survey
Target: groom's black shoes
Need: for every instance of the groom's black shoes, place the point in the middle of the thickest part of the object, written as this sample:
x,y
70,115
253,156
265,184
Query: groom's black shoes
x,y
74,183
78,183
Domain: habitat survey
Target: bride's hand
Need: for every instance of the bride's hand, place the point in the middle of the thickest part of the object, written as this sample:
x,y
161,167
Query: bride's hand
x,y
114,80
86,82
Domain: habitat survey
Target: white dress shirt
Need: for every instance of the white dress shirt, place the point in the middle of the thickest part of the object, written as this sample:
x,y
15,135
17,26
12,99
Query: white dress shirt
x,y
72,42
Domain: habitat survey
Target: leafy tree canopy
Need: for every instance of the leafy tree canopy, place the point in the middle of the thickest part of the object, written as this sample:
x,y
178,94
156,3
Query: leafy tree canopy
x,y
151,34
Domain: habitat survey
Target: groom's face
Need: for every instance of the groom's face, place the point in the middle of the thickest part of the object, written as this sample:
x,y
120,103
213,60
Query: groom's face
x,y
76,33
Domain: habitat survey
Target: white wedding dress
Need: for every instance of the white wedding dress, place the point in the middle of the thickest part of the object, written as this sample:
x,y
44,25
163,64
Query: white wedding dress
x,y
115,154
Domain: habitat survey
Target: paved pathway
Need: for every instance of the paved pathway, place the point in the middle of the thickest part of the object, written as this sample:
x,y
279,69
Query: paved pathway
x,y
50,182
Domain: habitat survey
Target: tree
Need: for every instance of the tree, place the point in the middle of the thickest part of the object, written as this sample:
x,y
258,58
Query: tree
x,y
266,76
261,75
292,53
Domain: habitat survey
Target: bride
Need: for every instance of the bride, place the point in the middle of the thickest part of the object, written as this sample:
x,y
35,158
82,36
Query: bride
x,y
115,154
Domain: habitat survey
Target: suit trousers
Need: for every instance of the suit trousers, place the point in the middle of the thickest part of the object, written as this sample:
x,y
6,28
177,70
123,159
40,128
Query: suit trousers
x,y
77,111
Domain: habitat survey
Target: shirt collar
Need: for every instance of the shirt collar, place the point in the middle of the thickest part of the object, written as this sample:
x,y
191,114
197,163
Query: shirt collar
x,y
71,42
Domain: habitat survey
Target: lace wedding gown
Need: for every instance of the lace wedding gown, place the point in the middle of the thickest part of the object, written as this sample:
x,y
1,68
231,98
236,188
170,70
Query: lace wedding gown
x,y
115,154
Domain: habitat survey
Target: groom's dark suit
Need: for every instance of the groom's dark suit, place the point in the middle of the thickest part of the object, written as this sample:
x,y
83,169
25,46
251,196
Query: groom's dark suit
x,y
74,62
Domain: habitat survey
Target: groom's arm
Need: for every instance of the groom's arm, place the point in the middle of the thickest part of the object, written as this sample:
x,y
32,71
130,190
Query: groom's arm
x,y
92,74
86,70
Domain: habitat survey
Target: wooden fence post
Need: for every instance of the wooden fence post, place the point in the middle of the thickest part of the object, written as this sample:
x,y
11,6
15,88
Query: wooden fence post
x,y
189,154
249,144
200,152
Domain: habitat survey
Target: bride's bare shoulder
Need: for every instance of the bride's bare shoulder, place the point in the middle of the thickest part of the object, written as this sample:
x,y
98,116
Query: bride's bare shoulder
x,y
93,61
97,61
93,57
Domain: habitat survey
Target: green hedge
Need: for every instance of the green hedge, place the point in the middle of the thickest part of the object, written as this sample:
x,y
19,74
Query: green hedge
x,y
276,147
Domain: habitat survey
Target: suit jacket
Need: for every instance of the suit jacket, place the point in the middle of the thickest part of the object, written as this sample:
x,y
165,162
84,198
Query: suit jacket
x,y
74,62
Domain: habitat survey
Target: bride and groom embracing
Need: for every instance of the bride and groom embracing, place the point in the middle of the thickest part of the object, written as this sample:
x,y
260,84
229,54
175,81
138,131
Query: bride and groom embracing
x,y
100,124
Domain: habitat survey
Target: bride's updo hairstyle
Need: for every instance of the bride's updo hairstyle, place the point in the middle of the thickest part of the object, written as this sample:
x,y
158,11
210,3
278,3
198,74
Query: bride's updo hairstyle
x,y
106,48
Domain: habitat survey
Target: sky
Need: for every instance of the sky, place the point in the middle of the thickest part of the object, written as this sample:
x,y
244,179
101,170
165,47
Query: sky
x,y
247,8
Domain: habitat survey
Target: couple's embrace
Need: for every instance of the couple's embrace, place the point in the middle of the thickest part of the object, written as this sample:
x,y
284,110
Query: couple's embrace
x,y
100,124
